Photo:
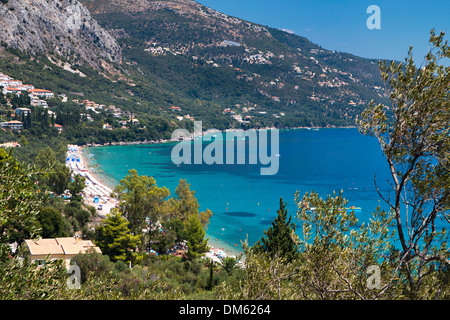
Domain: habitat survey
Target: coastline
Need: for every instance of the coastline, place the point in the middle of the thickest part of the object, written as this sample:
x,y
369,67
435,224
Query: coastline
x,y
96,193
89,165
209,131
217,248
213,242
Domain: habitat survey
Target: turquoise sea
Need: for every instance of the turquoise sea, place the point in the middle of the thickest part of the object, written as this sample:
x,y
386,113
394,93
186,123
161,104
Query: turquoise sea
x,y
244,202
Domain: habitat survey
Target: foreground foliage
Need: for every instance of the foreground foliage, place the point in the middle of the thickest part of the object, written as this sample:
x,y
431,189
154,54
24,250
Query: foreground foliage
x,y
416,144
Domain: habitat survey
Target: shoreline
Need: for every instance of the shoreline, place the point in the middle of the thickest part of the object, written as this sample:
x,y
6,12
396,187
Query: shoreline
x,y
206,132
90,168
217,247
96,193
213,242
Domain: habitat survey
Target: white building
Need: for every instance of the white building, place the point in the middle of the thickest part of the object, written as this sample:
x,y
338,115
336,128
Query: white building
x,y
13,125
41,93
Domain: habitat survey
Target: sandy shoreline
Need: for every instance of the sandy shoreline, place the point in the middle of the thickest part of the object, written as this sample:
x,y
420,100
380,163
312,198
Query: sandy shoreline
x,y
97,193
98,188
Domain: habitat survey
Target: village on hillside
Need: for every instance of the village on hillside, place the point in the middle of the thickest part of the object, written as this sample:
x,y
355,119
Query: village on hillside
x,y
38,98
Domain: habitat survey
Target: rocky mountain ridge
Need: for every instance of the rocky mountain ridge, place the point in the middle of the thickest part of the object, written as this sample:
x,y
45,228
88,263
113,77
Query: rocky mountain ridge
x,y
62,29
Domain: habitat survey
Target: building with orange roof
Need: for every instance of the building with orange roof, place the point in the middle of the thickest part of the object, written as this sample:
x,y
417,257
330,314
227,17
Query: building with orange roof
x,y
40,93
58,127
40,250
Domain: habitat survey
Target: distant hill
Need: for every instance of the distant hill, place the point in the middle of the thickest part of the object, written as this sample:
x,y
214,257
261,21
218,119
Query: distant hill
x,y
180,61
201,54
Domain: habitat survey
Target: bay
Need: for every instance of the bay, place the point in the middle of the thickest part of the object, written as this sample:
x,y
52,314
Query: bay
x,y
243,201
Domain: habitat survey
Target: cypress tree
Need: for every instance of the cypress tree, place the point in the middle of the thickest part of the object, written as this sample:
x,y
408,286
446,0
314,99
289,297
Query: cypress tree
x,y
277,239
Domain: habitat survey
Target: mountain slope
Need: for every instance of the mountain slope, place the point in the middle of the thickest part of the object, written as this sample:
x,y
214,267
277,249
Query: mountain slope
x,y
61,29
201,54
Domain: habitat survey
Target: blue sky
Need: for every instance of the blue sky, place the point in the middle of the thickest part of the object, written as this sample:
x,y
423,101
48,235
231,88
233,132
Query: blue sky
x,y
341,24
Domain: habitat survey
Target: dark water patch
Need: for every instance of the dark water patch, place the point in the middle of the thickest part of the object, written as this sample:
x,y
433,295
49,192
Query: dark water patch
x,y
153,164
242,214
163,176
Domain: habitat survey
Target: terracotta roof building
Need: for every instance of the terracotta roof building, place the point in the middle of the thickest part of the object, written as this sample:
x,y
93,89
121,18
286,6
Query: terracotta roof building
x,y
58,127
41,93
59,248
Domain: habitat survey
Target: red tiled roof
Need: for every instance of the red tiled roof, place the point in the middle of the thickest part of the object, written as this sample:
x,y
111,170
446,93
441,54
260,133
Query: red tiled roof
x,y
39,90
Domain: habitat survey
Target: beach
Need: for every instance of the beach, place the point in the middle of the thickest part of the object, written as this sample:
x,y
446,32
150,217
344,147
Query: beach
x,y
98,194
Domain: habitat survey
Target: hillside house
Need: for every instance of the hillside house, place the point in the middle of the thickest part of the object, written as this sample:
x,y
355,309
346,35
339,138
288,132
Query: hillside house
x,y
86,116
58,127
40,93
58,248
16,91
10,83
10,145
22,111
12,125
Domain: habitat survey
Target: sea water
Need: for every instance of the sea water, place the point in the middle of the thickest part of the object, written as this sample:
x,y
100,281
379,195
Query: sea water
x,y
243,201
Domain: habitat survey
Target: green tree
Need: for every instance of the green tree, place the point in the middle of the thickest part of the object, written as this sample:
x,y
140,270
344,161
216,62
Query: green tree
x,y
93,264
184,205
20,203
2,96
21,280
229,264
76,186
266,278
141,201
51,222
210,283
279,239
23,141
45,158
115,240
59,178
163,241
416,143
196,242
337,250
